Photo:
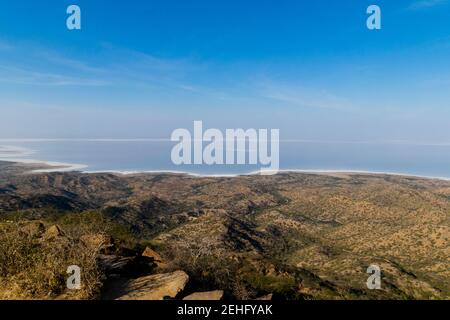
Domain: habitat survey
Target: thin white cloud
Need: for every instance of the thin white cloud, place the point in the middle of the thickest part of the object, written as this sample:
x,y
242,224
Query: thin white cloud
x,y
305,97
424,4
5,46
111,66
56,58
32,77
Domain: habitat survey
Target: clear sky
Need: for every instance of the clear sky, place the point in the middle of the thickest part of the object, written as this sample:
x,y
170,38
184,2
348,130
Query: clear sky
x,y
144,68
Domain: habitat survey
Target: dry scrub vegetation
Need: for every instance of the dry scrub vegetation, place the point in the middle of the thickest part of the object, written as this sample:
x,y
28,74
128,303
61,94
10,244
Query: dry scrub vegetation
x,y
298,236
34,257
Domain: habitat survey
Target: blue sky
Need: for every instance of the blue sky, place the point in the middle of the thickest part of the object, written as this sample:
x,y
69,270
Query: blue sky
x,y
144,68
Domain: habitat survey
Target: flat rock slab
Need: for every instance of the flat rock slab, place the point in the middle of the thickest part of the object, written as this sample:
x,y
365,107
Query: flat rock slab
x,y
266,297
153,287
209,295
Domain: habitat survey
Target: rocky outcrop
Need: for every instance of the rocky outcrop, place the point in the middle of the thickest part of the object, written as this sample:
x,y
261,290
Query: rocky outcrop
x,y
266,297
149,253
112,264
33,229
207,296
53,232
133,266
153,287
